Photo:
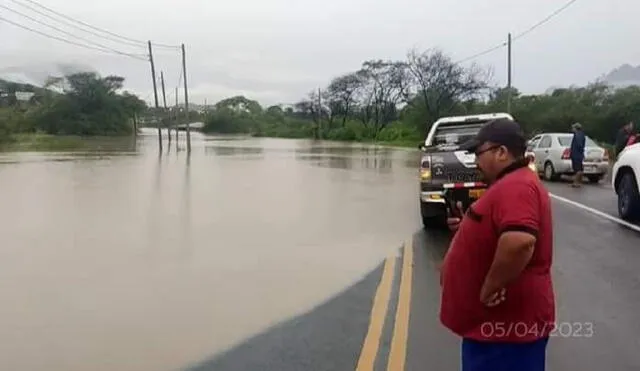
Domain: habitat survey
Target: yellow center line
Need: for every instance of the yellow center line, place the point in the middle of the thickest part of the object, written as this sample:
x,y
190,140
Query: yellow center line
x,y
398,352
378,314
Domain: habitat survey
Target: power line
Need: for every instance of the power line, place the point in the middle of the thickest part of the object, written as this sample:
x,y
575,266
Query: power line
x,y
487,51
97,28
521,34
75,26
68,41
545,20
70,34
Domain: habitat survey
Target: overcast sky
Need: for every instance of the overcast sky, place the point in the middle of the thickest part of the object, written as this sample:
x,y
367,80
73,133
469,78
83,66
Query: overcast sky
x,y
276,51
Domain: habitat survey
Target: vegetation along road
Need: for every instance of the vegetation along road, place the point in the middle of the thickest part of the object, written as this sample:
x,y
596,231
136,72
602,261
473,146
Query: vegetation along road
x,y
383,101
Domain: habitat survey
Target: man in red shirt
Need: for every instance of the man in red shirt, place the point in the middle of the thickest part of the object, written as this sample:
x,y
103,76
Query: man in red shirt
x,y
497,292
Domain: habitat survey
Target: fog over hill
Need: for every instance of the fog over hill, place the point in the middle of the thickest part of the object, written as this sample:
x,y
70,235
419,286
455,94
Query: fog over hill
x,y
625,75
37,73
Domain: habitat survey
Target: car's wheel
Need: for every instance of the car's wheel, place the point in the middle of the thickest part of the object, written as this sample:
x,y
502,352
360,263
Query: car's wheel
x,y
594,178
628,197
549,172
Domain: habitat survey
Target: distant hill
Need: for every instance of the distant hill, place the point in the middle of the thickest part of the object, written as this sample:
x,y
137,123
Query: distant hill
x,y
11,87
623,76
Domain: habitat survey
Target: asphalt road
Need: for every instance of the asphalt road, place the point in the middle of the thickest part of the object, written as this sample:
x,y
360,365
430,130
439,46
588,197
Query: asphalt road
x,y
596,282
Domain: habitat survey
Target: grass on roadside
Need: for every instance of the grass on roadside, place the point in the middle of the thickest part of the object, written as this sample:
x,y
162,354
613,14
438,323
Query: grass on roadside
x,y
42,142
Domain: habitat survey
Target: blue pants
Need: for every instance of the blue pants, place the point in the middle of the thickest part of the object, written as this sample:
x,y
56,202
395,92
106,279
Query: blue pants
x,y
485,356
576,164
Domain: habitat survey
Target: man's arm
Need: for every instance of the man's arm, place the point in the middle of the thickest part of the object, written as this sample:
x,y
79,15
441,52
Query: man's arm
x,y
621,141
583,142
517,216
512,256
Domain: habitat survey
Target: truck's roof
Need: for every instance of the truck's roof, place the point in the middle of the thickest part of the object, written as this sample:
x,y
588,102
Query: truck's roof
x,y
481,117
471,119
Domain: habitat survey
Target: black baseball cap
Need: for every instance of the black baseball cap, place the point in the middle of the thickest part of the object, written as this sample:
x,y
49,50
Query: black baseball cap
x,y
503,132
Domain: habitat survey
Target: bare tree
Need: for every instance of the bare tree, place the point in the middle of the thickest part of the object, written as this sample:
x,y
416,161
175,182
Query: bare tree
x,y
438,83
341,94
381,91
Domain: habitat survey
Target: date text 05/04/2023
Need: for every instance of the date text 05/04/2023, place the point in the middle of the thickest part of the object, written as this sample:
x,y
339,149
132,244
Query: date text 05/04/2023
x,y
522,329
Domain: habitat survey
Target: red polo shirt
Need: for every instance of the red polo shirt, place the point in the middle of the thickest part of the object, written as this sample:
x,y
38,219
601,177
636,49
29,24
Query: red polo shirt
x,y
516,201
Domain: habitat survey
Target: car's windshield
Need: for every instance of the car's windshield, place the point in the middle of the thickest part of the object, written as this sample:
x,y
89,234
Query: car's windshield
x,y
565,141
455,134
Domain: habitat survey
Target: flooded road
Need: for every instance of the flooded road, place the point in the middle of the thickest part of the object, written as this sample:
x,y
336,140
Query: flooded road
x,y
121,259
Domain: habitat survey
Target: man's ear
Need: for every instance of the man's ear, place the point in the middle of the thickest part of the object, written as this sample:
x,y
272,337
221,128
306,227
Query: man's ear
x,y
504,152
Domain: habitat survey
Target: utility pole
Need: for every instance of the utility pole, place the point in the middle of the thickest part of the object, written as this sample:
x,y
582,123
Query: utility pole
x,y
164,100
509,73
186,98
135,124
177,113
155,92
319,114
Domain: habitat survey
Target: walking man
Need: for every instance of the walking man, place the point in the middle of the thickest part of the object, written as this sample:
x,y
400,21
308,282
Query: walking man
x,y
497,293
577,153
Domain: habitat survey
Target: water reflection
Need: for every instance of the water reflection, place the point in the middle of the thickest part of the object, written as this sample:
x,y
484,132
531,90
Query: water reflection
x,y
186,222
339,148
119,250
379,164
234,151
412,159
226,138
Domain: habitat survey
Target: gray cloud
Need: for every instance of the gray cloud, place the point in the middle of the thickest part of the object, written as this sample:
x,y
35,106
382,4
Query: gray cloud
x,y
278,50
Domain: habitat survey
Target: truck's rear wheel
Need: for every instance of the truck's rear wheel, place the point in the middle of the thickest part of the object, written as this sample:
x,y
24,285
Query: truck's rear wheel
x,y
434,216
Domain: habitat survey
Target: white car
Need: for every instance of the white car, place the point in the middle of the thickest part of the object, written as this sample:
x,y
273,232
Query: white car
x,y
552,156
624,179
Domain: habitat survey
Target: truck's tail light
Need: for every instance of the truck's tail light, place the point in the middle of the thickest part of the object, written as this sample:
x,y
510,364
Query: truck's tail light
x,y
566,154
425,168
606,155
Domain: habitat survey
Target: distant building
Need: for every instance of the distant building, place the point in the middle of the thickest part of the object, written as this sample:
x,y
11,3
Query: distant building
x,y
24,96
21,98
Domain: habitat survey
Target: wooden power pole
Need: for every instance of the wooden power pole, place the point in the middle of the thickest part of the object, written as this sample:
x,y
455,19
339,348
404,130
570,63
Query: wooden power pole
x,y
155,92
166,111
186,98
509,73
177,122
319,114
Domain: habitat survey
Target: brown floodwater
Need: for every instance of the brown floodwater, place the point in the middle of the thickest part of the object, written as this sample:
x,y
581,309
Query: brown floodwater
x,y
123,259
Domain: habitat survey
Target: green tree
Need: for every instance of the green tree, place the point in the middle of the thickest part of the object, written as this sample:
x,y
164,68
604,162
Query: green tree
x,y
90,105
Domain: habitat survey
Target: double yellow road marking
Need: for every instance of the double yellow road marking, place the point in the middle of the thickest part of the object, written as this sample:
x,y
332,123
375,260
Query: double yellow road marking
x,y
378,313
398,351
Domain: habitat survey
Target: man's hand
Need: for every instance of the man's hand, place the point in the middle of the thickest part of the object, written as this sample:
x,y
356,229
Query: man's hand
x,y
493,299
455,217
512,255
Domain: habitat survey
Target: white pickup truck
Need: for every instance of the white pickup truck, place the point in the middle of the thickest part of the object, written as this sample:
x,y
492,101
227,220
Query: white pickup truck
x,y
449,173
624,179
